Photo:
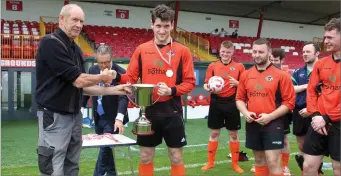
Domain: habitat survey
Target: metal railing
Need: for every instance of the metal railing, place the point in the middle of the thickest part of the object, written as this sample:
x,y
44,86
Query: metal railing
x,y
199,47
19,46
319,41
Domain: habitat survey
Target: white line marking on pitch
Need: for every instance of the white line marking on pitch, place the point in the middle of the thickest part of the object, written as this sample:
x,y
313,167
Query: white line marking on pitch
x,y
189,165
186,146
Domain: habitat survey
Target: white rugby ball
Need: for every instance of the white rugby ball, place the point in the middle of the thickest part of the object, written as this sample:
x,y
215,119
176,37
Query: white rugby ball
x,y
216,84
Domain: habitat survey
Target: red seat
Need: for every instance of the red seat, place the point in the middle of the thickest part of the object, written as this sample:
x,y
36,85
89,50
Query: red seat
x,y
5,51
191,100
202,100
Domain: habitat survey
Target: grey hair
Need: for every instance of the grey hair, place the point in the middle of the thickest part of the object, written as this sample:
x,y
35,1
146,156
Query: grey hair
x,y
104,49
66,9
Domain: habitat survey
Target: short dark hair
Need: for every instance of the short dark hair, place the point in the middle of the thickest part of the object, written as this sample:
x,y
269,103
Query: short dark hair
x,y
334,23
316,46
278,52
262,41
163,12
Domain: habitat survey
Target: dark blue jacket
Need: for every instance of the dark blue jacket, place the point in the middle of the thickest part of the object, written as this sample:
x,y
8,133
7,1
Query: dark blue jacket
x,y
112,104
300,77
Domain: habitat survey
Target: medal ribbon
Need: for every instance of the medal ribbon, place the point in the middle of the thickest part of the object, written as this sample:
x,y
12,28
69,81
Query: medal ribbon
x,y
169,56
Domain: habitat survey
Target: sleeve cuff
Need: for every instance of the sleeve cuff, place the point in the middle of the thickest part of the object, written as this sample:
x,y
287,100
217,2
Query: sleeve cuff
x,y
75,76
118,77
120,117
315,114
327,119
173,91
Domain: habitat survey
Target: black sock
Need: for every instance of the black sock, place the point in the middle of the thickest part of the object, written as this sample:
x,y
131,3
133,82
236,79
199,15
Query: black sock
x,y
320,169
299,160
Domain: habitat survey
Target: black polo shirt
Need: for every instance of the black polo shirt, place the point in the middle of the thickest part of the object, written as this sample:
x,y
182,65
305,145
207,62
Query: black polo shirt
x,y
59,62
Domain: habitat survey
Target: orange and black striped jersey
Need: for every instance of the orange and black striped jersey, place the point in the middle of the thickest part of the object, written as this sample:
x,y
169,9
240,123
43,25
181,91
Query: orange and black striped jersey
x,y
327,104
264,91
232,69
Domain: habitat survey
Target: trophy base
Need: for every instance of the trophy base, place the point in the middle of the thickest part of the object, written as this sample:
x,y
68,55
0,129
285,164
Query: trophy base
x,y
143,134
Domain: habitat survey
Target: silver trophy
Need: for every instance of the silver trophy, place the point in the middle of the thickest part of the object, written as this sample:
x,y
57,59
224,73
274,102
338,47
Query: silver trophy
x,y
143,98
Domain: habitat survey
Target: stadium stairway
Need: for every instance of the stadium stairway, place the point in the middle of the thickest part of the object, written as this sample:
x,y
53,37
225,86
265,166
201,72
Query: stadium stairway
x,y
86,48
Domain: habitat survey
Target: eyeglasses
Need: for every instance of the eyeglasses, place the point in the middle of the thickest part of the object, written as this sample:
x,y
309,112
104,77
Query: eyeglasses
x,y
104,63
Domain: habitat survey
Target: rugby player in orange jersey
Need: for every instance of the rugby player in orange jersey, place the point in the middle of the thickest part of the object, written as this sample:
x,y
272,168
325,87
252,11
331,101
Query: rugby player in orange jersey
x,y
324,133
223,111
162,60
269,94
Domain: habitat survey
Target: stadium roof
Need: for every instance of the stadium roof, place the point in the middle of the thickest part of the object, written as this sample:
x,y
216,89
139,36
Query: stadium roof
x,y
303,12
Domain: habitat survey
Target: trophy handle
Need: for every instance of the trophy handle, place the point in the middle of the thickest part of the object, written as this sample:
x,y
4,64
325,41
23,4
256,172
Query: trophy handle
x,y
132,100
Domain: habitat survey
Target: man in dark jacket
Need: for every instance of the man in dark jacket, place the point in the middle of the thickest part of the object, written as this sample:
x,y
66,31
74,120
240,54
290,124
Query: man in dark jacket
x,y
110,112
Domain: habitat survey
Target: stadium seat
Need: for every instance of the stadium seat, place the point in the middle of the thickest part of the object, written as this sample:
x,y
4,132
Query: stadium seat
x,y
201,100
191,100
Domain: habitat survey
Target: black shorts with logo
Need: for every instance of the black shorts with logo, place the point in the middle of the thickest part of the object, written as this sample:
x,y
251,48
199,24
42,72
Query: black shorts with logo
x,y
300,124
268,137
324,144
223,112
171,129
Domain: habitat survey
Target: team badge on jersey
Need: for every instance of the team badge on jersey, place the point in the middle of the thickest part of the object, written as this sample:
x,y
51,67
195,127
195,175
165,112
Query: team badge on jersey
x,y
269,78
171,52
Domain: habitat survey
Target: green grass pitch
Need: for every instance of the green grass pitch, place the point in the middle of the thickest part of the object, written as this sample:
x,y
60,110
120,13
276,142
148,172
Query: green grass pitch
x,y
19,142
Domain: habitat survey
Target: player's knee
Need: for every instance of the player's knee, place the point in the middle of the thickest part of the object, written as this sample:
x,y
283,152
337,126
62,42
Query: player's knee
x,y
273,162
309,167
233,136
215,134
261,161
146,157
176,158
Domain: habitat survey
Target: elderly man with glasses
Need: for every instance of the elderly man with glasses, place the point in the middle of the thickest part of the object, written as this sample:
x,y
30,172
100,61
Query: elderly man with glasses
x,y
110,112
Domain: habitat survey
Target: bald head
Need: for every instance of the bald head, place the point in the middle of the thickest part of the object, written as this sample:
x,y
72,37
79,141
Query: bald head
x,y
71,19
69,7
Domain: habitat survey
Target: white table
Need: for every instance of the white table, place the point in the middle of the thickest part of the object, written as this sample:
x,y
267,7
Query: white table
x,y
109,140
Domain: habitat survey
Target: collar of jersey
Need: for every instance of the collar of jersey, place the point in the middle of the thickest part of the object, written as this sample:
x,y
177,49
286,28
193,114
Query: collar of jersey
x,y
335,60
265,68
227,63
162,45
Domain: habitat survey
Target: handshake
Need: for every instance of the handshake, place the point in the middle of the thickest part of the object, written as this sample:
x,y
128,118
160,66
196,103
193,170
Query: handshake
x,y
107,76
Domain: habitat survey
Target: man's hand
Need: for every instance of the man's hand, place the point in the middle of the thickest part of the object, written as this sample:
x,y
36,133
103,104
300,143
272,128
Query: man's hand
x,y
304,86
119,125
107,77
264,119
304,113
123,89
164,90
250,116
206,88
319,125
233,82
113,73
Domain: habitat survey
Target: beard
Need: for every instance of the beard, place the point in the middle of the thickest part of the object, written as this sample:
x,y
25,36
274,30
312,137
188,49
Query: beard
x,y
260,61
309,60
279,66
